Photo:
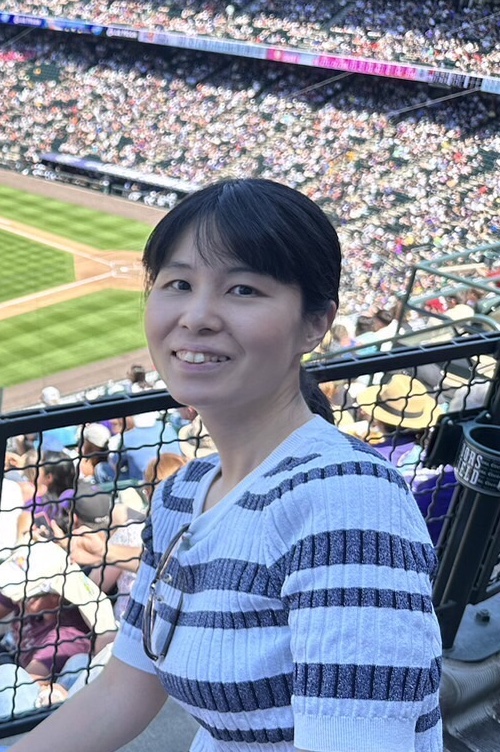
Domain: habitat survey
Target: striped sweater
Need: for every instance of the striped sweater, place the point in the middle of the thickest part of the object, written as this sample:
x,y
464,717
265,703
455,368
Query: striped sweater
x,y
306,618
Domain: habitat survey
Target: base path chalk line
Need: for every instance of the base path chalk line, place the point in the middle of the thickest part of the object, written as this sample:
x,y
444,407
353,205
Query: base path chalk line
x,y
53,241
36,296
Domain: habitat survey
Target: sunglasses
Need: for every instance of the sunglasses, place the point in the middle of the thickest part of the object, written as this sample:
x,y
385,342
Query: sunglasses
x,y
164,604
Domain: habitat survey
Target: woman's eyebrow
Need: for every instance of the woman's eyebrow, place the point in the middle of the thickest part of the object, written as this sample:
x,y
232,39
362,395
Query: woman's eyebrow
x,y
242,270
227,269
176,265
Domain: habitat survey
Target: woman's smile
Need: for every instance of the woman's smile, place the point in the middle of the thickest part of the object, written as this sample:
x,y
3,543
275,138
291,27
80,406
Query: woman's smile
x,y
194,356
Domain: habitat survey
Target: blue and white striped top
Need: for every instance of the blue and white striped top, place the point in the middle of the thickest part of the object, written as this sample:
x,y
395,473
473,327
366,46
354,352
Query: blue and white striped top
x,y
306,619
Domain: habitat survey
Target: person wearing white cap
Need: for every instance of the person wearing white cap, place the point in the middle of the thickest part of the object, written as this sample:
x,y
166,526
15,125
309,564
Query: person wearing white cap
x,y
95,464
50,395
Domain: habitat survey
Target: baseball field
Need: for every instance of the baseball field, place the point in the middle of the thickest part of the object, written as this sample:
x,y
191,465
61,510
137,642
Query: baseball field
x,y
71,283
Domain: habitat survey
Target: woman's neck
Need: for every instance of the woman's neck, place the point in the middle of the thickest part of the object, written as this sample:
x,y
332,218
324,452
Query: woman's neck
x,y
244,444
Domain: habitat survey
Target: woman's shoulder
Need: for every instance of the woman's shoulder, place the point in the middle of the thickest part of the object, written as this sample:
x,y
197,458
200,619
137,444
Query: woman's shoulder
x,y
336,481
321,443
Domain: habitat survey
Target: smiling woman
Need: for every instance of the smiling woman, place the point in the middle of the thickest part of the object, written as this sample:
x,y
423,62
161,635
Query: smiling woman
x,y
284,597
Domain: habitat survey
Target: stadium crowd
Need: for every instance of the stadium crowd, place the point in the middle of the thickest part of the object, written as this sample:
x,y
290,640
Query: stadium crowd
x,y
401,185
73,502
431,33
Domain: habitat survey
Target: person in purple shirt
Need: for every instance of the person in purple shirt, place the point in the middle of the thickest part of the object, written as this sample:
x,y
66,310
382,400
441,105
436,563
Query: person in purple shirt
x,y
49,607
54,489
400,413
46,631
44,640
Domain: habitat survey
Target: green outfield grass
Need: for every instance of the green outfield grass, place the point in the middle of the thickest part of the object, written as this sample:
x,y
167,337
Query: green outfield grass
x,y
100,230
71,334
27,267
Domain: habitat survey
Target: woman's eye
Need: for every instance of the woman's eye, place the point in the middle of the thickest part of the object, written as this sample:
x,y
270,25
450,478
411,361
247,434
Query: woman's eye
x,y
177,284
244,290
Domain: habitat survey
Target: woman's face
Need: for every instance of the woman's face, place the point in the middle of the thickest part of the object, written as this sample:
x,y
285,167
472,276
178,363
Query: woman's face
x,y
45,479
222,335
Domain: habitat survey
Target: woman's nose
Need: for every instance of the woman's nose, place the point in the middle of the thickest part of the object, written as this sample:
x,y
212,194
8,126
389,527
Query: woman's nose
x,y
201,311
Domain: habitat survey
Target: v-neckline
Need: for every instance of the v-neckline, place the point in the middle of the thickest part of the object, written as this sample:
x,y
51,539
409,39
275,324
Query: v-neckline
x,y
204,519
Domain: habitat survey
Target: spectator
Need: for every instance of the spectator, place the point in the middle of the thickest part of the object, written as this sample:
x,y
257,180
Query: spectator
x,y
140,444
161,468
119,549
340,338
364,333
54,479
137,379
57,612
439,34
400,413
94,465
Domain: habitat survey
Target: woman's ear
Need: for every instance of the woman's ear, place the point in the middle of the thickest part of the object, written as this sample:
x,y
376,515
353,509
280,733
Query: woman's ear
x,y
317,325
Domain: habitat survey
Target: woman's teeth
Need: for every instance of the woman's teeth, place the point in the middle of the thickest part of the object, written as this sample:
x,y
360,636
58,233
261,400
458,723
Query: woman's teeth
x,y
198,357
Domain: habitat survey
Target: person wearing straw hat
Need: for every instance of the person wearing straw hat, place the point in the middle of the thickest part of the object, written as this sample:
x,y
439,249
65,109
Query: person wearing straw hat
x,y
398,412
284,595
34,580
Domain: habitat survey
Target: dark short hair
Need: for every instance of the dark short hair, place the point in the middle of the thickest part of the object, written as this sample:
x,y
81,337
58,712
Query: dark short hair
x,y
137,373
62,469
385,317
363,324
269,227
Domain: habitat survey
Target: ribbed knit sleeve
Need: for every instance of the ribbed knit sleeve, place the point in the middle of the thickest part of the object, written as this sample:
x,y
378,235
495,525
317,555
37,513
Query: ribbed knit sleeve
x,y
354,562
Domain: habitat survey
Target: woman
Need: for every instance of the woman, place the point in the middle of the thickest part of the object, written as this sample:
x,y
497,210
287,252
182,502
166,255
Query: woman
x,y
53,490
291,598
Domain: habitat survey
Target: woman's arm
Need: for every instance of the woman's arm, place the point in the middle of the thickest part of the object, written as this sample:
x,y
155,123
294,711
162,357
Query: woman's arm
x,y
24,523
125,558
91,548
120,702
